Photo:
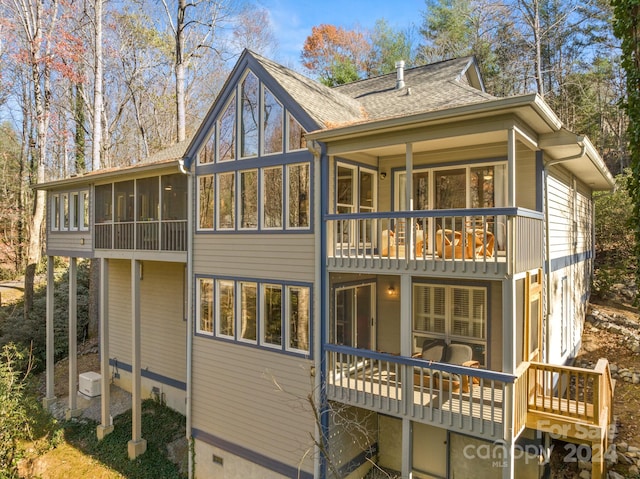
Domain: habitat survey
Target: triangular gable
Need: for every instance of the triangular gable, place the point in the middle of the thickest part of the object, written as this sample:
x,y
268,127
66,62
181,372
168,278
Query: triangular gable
x,y
312,105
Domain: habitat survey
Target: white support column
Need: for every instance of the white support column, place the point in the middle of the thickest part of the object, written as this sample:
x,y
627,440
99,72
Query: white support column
x,y
73,410
50,397
137,445
407,448
508,326
511,167
106,425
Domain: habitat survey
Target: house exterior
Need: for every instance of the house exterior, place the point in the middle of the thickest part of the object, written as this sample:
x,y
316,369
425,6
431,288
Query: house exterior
x,y
393,271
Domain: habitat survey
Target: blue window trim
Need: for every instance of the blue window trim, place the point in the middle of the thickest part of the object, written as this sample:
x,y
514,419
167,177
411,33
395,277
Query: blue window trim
x,y
260,163
283,348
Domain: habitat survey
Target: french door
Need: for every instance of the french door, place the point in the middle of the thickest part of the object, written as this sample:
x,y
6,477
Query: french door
x,y
354,324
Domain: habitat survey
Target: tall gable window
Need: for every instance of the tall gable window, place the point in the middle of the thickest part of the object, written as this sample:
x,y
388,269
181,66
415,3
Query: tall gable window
x,y
272,123
297,140
249,117
227,132
236,189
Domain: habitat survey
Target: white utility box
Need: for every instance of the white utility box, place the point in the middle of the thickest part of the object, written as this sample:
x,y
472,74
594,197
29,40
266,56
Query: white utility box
x,y
89,384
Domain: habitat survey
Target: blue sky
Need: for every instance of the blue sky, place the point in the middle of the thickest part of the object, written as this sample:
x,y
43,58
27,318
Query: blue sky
x,y
292,20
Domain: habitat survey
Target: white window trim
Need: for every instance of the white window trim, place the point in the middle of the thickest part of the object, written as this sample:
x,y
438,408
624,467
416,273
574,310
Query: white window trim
x,y
263,318
74,205
262,201
240,311
240,112
448,334
263,90
199,330
199,204
287,200
55,212
217,316
287,323
240,207
85,210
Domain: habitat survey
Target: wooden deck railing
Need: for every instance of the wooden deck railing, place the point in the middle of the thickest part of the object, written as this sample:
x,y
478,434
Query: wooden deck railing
x,y
582,394
164,235
483,403
470,400
481,239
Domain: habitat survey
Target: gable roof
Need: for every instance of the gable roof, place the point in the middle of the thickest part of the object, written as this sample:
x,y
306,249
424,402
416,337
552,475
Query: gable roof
x,y
325,105
439,85
427,88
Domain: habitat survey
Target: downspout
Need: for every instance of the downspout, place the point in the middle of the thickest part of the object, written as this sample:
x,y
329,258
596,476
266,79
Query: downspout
x,y
190,176
319,324
545,171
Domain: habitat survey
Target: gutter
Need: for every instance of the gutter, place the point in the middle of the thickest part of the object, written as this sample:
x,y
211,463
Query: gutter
x,y
184,171
580,141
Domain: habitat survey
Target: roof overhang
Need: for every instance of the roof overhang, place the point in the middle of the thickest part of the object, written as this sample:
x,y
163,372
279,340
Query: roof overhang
x,y
105,175
543,131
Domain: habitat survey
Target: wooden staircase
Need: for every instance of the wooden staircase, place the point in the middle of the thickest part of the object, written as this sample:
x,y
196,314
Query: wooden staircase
x,y
571,404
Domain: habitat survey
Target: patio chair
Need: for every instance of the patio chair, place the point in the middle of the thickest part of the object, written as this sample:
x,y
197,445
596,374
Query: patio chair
x,y
480,243
461,355
388,243
419,242
449,244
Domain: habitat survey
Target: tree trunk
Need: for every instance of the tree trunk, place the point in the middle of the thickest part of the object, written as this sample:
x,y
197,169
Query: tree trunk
x,y
180,94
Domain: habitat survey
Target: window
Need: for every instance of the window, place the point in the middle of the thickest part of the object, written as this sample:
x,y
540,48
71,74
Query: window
x,y
226,308
74,211
249,117
298,195
457,314
297,140
272,198
226,201
227,132
272,123
248,327
272,315
249,199
205,306
205,203
269,314
208,151
298,312
65,211
84,202
55,212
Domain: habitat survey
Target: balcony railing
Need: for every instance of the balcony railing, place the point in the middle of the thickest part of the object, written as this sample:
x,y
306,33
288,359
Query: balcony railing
x,y
165,235
483,403
474,401
487,239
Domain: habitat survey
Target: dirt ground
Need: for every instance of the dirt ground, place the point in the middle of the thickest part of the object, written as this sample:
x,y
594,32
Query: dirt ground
x,y
599,343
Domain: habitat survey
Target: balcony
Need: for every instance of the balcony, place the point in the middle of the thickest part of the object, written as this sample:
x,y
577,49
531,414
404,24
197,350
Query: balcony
x,y
497,241
486,404
165,235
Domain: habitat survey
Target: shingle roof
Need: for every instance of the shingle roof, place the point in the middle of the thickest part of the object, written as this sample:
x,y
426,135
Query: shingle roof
x,y
427,88
327,106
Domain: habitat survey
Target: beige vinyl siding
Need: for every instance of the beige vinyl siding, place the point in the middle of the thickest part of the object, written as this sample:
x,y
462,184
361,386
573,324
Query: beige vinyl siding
x,y
560,214
64,242
235,397
288,257
163,328
526,184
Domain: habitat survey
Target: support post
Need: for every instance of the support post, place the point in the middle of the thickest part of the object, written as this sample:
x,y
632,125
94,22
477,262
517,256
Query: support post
x,y
136,445
73,410
50,397
106,425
